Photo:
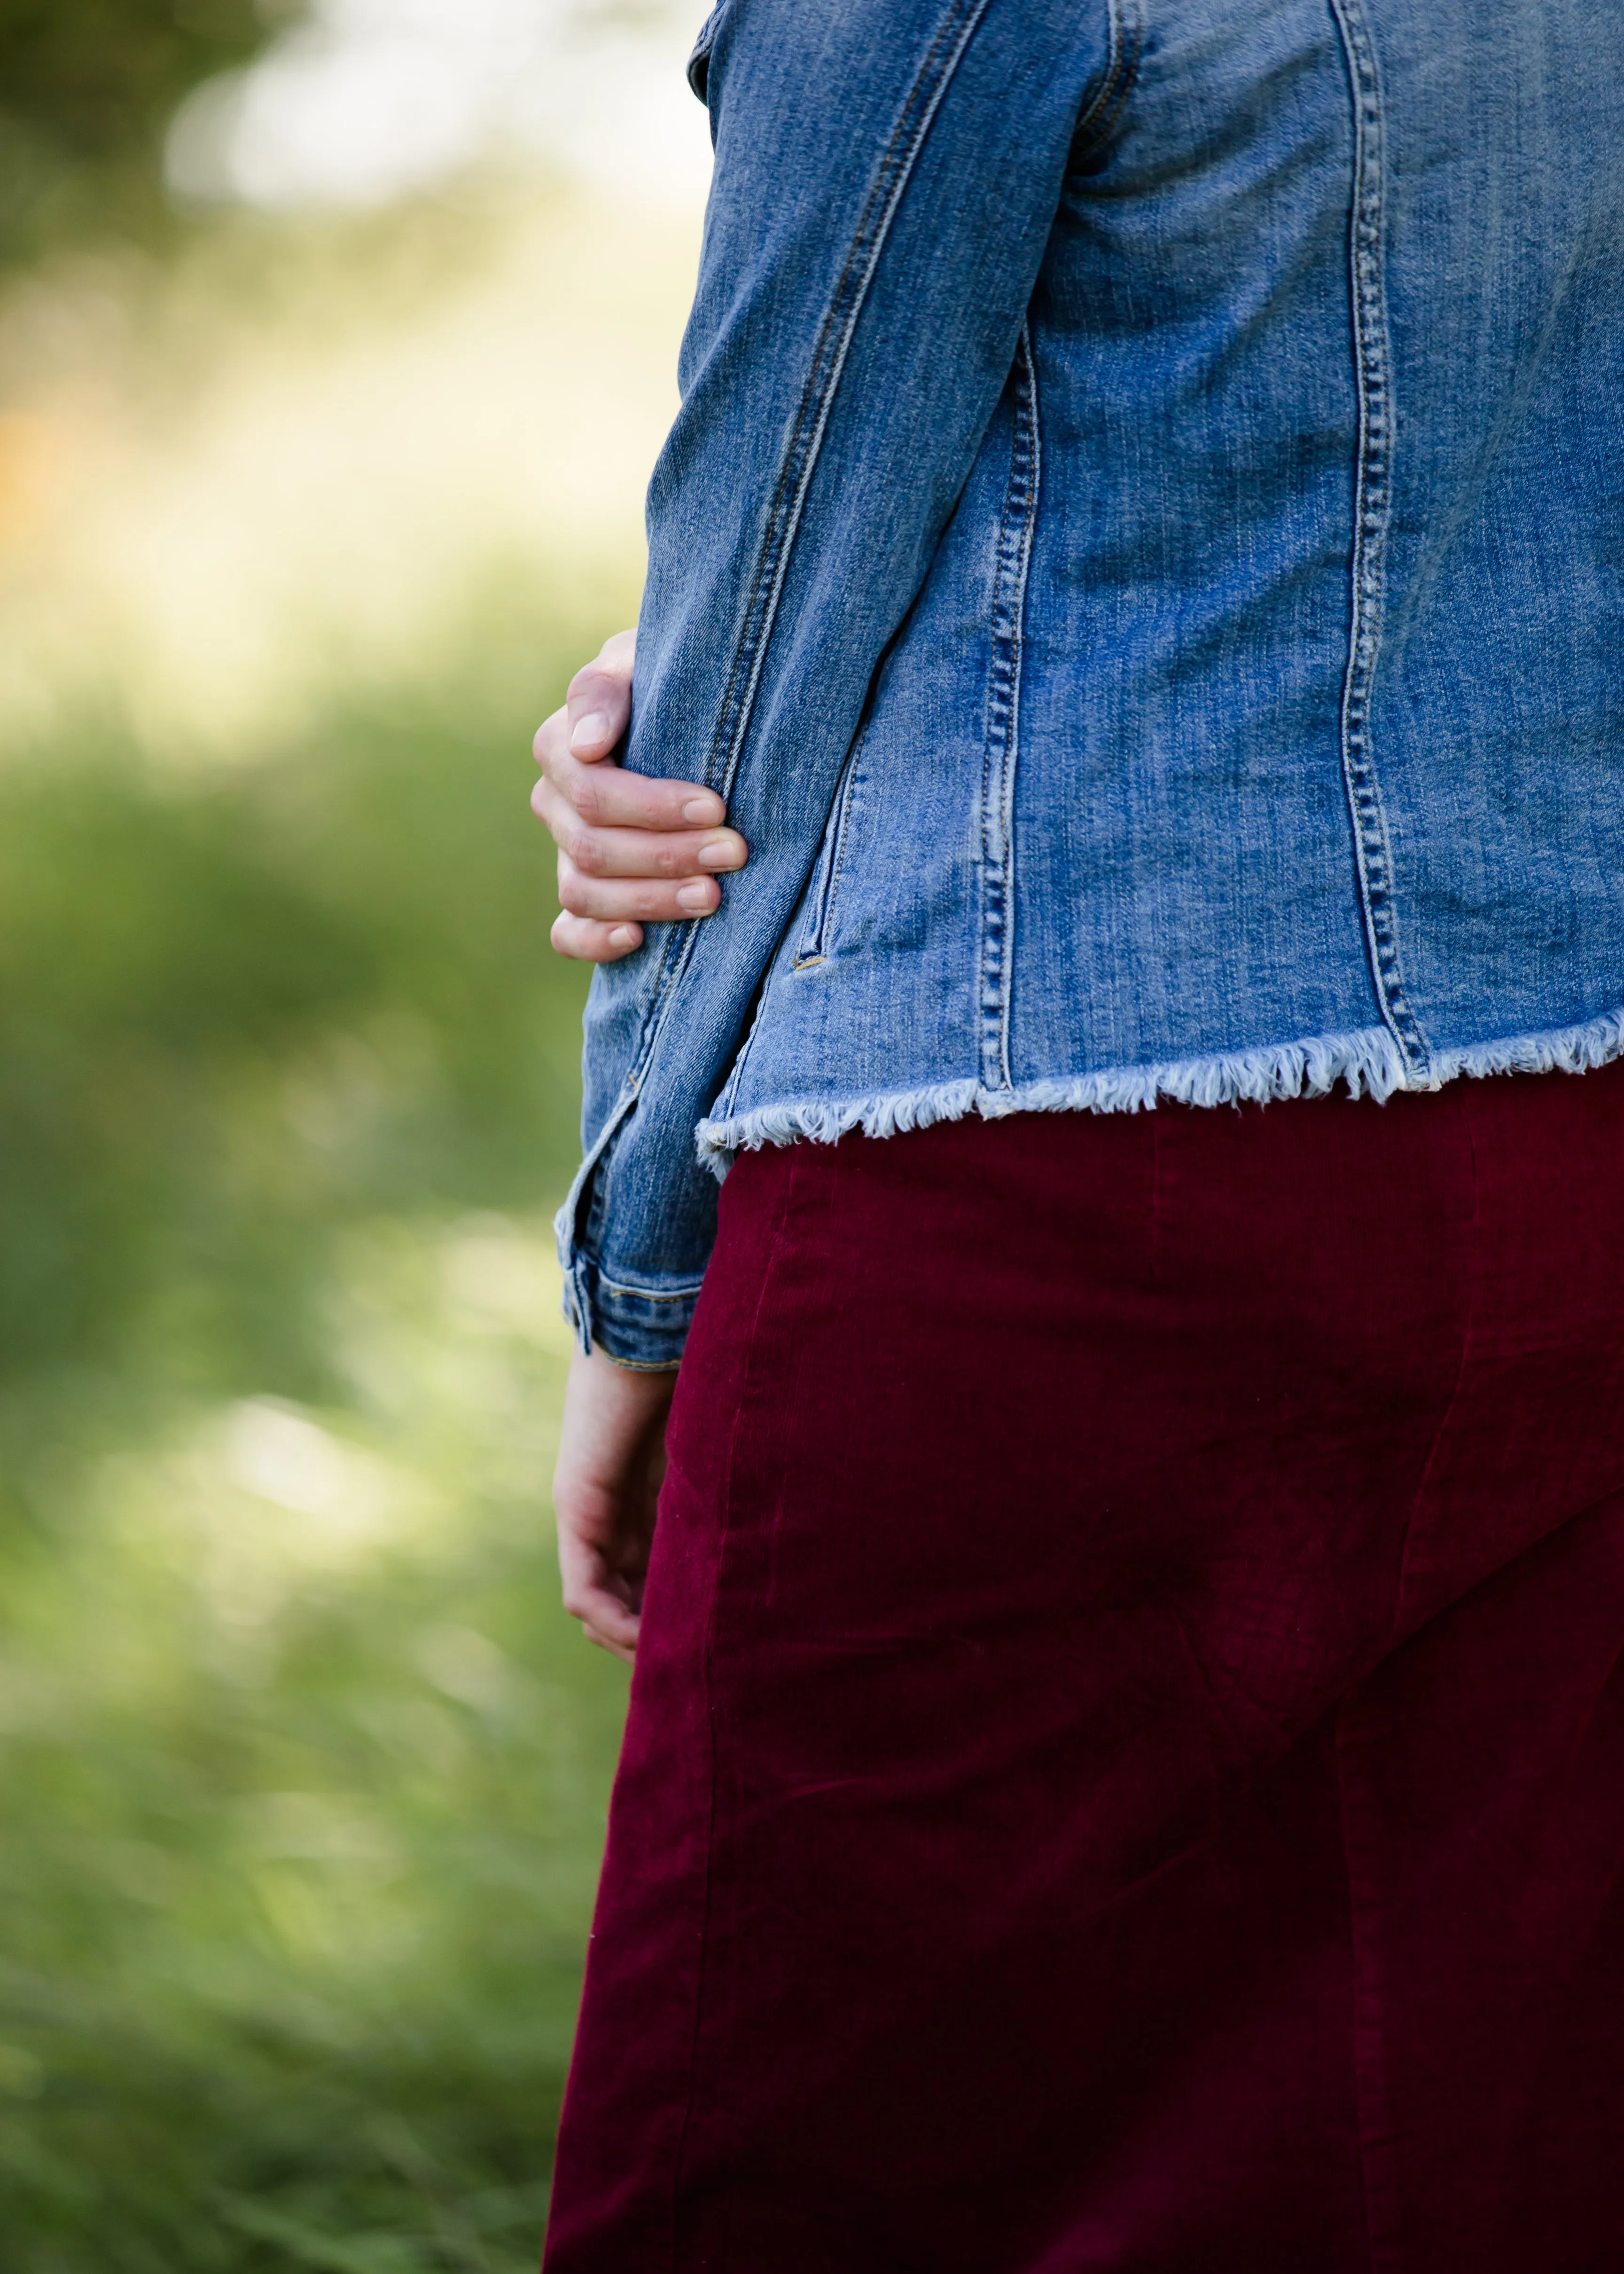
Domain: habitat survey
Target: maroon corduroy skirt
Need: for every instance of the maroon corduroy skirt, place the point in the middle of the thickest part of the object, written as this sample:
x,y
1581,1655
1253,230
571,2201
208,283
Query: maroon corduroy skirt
x,y
1126,1757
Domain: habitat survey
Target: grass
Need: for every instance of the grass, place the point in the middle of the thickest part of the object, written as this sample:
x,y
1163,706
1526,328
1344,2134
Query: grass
x,y
304,1772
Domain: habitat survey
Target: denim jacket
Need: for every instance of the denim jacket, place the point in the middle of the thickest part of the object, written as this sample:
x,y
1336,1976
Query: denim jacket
x,y
1141,554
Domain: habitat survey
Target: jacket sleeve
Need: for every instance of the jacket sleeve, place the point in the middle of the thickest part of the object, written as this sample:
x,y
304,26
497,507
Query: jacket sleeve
x,y
887,173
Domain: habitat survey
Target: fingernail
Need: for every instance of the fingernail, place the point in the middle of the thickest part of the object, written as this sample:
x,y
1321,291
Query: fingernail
x,y
721,853
696,899
593,729
624,936
703,811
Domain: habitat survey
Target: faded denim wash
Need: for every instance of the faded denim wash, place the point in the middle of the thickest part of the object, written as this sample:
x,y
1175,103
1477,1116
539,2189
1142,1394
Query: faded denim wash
x,y
1142,554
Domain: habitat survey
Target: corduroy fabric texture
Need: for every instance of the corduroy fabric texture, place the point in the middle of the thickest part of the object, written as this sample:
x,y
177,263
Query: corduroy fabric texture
x,y
1126,1768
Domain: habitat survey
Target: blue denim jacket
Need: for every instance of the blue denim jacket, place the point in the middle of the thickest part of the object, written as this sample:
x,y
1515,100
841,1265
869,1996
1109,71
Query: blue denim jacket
x,y
1142,554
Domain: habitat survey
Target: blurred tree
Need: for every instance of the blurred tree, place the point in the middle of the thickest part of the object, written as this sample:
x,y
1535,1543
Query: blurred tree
x,y
86,88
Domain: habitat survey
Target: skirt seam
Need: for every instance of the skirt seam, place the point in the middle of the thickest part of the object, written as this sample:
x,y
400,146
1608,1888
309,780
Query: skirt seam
x,y
775,1242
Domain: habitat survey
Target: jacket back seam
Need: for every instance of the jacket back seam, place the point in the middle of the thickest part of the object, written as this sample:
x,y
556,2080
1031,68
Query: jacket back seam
x,y
1372,505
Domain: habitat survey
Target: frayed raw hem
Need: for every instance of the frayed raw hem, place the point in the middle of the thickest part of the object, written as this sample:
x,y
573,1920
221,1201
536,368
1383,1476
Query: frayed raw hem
x,y
1368,1063
1565,1050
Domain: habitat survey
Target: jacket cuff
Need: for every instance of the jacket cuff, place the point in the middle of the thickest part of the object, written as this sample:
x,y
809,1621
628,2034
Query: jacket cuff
x,y
641,1327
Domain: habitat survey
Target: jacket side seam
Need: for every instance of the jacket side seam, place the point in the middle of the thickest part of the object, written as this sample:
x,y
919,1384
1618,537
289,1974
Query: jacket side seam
x,y
730,1090
826,886
892,177
1372,516
1002,743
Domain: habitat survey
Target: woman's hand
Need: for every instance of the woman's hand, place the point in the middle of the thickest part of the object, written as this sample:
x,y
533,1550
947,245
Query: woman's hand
x,y
631,851
612,1457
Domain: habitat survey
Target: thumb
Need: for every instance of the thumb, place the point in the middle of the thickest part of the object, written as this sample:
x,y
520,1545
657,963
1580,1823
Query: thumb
x,y
598,705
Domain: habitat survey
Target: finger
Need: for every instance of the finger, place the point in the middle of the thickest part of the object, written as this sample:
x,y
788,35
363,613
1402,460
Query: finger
x,y
605,1618
592,1594
583,940
630,900
610,796
616,1644
599,697
663,847
610,1625
670,853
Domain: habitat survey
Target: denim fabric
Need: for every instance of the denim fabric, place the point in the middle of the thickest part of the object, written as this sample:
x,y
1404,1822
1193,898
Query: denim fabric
x,y
1141,551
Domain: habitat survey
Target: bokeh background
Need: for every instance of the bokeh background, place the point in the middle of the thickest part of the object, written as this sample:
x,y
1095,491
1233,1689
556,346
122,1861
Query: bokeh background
x,y
336,341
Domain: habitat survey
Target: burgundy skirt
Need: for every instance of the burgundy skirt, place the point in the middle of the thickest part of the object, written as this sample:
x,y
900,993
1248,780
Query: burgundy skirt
x,y
1126,1757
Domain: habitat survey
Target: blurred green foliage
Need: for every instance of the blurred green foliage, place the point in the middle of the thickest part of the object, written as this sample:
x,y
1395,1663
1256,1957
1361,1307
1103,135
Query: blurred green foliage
x,y
86,89
367,911
303,1770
